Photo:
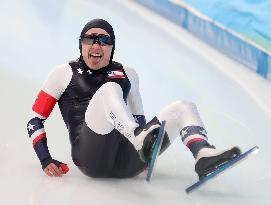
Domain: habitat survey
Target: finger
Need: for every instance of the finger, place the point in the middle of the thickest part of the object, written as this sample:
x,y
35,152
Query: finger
x,y
57,170
61,171
53,170
47,172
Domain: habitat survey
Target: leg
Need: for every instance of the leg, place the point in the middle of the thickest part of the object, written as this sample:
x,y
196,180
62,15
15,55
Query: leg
x,y
107,110
95,154
109,155
183,118
103,148
180,117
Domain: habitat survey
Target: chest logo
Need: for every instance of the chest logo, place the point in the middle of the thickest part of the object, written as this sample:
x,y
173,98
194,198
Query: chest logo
x,y
80,71
116,74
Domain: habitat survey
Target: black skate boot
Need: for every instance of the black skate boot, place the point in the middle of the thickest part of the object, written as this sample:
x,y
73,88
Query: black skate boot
x,y
209,159
145,138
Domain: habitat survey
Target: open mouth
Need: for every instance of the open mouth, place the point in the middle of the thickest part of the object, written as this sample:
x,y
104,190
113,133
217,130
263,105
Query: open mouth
x,y
95,55
95,58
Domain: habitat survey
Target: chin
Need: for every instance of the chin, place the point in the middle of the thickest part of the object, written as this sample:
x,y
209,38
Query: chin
x,y
96,67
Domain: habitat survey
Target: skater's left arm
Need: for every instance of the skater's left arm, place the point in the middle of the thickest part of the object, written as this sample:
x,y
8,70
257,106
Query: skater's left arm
x,y
134,100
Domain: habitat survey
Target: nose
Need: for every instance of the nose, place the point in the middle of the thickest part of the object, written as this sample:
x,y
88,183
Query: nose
x,y
95,45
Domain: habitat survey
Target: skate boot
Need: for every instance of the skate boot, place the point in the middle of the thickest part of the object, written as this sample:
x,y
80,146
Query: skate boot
x,y
145,138
209,159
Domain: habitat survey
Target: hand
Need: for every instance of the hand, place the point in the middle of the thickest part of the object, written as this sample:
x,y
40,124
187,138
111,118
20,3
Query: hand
x,y
55,168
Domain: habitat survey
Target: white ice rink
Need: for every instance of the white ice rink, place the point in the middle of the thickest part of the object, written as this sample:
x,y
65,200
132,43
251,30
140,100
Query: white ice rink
x,y
235,105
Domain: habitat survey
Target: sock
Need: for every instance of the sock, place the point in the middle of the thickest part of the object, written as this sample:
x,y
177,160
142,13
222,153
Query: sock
x,y
195,138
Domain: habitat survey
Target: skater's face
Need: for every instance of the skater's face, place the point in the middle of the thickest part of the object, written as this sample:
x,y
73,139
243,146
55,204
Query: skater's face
x,y
96,55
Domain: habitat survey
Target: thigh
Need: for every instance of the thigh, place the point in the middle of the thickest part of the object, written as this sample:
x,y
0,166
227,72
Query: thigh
x,y
110,155
95,116
95,154
127,163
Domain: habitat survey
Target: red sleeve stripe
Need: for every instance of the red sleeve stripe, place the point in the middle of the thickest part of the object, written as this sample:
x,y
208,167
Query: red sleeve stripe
x,y
117,76
44,104
193,140
38,138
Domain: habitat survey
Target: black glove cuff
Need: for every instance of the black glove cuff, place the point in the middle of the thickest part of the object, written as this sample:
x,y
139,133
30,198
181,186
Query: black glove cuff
x,y
48,161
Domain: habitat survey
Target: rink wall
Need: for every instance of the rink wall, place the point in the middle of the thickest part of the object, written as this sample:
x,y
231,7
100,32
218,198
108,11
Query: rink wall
x,y
240,29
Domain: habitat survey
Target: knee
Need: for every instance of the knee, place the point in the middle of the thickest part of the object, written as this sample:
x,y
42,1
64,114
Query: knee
x,y
183,105
109,87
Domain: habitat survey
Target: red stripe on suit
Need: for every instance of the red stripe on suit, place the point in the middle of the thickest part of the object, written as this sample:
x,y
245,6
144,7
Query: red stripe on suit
x,y
38,138
44,104
193,140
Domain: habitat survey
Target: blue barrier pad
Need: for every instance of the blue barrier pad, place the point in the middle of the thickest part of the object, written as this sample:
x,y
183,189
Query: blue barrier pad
x,y
249,18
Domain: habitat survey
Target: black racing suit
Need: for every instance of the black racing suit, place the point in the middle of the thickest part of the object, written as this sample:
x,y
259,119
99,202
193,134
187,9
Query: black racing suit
x,y
109,155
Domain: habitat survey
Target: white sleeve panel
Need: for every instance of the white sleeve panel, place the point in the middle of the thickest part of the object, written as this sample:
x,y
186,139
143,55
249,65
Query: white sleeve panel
x,y
134,100
58,80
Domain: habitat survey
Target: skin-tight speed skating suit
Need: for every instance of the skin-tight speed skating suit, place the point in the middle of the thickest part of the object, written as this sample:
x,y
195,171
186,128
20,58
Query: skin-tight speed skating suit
x,y
73,86
101,109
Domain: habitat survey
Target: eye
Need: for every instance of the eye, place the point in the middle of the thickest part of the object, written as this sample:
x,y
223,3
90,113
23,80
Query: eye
x,y
89,39
105,40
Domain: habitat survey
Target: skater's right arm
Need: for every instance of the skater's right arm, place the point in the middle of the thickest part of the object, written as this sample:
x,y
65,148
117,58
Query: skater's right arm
x,y
51,91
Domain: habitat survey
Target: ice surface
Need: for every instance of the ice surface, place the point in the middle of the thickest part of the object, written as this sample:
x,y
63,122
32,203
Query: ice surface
x,y
173,65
